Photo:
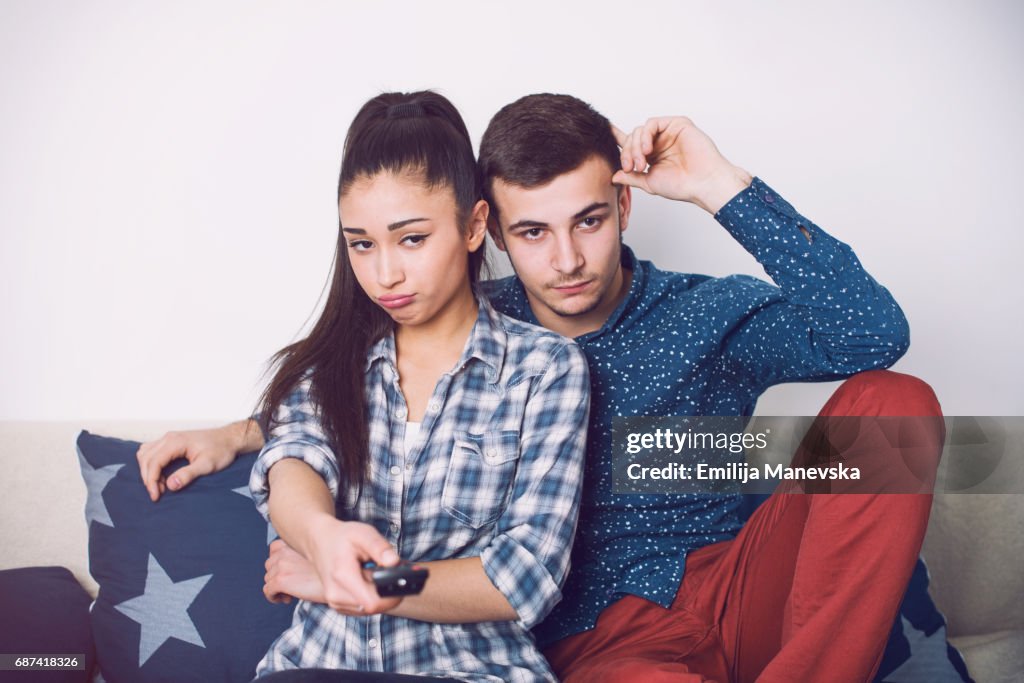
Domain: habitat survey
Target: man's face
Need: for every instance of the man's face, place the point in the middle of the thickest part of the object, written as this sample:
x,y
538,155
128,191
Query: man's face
x,y
563,240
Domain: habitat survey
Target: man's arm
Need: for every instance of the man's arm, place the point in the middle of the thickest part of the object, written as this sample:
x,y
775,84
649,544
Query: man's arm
x,y
827,319
207,451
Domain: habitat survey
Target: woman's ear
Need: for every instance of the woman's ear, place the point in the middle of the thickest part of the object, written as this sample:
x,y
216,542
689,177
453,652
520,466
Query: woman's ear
x,y
477,225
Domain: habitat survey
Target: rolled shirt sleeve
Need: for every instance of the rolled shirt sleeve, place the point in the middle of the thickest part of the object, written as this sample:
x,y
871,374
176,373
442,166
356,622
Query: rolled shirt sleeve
x,y
295,432
528,559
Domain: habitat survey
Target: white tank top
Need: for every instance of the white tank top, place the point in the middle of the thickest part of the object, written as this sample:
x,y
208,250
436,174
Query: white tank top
x,y
412,432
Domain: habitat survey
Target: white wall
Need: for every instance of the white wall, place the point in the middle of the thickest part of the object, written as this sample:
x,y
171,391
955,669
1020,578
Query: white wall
x,y
168,169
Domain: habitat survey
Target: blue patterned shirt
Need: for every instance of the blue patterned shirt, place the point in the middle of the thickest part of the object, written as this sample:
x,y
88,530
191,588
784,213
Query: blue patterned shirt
x,y
496,473
683,344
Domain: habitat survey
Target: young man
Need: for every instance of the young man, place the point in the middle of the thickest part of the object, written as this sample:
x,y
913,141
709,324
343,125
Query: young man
x,y
673,587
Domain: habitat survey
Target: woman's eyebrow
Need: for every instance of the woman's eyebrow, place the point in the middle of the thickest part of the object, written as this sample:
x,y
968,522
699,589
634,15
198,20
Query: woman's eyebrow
x,y
391,227
402,224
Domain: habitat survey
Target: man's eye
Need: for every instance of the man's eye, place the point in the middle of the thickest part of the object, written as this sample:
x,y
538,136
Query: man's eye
x,y
590,222
533,233
359,245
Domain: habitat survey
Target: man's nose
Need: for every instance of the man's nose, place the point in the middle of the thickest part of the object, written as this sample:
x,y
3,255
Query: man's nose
x,y
568,258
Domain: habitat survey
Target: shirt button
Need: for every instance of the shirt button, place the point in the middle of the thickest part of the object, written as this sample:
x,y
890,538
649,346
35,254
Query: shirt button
x,y
492,453
395,470
435,406
400,413
394,527
372,643
769,198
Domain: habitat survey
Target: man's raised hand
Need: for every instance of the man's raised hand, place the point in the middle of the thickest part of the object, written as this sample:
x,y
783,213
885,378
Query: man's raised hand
x,y
670,157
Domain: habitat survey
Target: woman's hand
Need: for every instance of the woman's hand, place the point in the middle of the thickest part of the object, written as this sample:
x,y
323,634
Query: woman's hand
x,y
290,575
339,551
207,451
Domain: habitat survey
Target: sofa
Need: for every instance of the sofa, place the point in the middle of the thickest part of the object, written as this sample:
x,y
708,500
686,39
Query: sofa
x,y
973,549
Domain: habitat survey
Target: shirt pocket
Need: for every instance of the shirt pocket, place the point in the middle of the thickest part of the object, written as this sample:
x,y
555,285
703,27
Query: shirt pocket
x,y
480,477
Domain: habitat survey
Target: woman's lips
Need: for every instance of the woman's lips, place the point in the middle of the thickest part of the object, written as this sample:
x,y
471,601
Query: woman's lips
x,y
392,301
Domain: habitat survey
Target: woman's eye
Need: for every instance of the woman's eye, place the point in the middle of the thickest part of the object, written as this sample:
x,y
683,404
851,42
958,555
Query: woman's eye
x,y
359,245
414,240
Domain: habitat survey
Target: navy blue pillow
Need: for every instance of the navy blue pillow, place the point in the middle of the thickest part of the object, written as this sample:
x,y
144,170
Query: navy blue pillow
x,y
45,611
181,580
917,651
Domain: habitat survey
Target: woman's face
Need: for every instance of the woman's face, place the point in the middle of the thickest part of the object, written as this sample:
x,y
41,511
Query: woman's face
x,y
407,249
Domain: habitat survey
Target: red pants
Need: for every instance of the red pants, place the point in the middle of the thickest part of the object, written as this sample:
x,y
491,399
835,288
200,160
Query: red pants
x,y
806,592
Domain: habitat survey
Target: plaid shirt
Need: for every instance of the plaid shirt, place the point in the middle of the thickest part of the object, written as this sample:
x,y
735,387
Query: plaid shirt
x,y
496,473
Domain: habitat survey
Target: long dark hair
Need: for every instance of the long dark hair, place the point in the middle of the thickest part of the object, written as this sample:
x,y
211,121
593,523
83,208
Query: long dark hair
x,y
418,132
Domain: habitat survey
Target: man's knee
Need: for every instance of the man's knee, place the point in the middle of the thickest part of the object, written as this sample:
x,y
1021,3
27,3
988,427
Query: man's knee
x,y
885,393
909,425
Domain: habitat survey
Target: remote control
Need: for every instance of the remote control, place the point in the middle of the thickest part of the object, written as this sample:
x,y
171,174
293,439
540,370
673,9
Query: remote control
x,y
405,578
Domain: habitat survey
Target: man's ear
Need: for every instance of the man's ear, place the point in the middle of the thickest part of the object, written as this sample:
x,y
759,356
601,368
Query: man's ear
x,y
494,228
625,203
478,220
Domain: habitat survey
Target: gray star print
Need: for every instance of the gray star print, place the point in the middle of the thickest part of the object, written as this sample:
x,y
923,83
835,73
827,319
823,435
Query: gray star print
x,y
96,479
162,610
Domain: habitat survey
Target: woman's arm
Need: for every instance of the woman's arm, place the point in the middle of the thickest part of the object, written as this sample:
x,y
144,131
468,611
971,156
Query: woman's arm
x,y
457,592
302,511
294,483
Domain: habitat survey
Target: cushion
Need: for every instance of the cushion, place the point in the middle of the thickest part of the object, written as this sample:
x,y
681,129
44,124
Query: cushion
x,y
180,580
45,612
917,651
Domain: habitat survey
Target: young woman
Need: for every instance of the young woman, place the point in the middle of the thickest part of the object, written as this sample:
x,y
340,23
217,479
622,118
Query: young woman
x,y
415,421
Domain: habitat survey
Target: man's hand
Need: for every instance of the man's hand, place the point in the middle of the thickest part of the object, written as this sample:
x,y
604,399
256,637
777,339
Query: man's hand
x,y
684,163
207,451
339,551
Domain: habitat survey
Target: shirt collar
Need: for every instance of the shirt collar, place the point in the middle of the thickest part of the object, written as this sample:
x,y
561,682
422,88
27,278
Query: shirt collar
x,y
486,343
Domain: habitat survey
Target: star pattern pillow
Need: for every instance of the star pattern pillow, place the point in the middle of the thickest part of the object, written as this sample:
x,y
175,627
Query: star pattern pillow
x,y
180,580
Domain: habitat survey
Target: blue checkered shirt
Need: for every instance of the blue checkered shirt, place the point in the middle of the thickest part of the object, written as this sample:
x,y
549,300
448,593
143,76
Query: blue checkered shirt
x,y
496,473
